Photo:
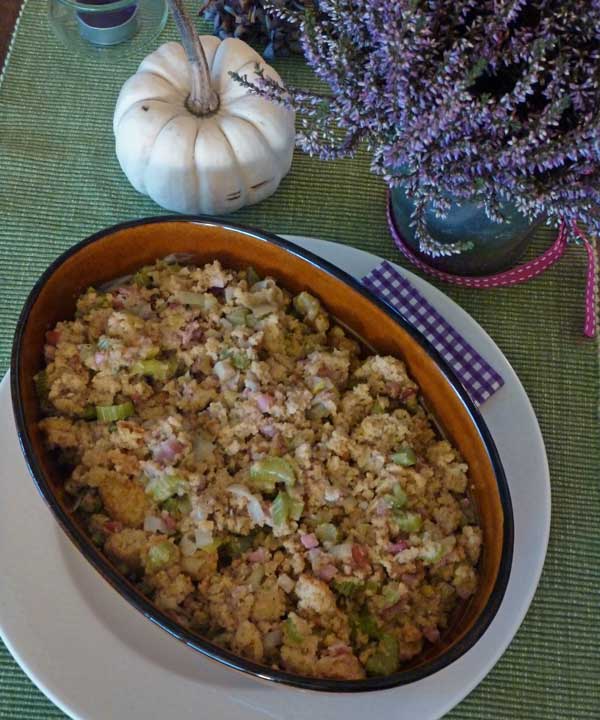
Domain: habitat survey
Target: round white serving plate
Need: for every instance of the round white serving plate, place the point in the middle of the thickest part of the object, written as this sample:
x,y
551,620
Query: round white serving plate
x,y
97,658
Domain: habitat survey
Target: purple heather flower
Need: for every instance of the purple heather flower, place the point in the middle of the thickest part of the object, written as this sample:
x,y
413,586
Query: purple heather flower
x,y
493,99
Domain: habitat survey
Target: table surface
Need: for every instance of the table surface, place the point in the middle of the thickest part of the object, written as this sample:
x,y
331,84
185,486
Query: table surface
x,y
54,193
9,9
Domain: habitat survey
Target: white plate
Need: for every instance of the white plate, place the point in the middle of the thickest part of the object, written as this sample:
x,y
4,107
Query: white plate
x,y
96,657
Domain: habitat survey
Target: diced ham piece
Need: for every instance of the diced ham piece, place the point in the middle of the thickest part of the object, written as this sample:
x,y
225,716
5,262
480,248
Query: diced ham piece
x,y
410,580
326,572
407,394
191,333
121,295
339,649
309,541
168,450
264,402
394,389
99,358
52,337
397,547
169,521
360,555
113,526
432,634
382,508
268,430
393,610
257,556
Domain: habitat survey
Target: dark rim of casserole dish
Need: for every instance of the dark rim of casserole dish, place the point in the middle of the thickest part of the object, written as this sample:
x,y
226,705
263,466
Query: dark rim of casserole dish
x,y
133,596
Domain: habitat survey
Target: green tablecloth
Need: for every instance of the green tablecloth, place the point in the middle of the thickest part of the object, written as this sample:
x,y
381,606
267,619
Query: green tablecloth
x,y
60,181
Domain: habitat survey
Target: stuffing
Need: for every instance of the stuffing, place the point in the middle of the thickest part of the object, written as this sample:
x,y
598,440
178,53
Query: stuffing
x,y
256,473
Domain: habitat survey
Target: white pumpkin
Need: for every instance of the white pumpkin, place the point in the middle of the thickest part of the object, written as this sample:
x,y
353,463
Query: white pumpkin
x,y
194,139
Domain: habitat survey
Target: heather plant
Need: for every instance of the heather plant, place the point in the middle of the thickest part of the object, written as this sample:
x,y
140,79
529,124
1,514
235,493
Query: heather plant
x,y
487,100
256,21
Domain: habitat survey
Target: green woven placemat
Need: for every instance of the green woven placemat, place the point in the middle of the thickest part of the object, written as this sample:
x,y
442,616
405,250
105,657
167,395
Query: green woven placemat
x,y
60,181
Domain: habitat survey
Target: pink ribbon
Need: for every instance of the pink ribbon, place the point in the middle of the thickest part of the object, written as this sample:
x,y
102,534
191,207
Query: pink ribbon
x,y
516,275
591,285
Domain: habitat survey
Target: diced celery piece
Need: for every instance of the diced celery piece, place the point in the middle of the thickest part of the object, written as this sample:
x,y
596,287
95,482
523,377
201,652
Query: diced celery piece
x,y
432,553
408,521
89,413
347,586
141,278
404,457
291,632
367,625
391,594
42,387
326,532
240,360
163,487
160,556
252,276
236,545
112,413
384,660
280,509
295,508
400,496
159,369
238,316
268,471
307,305
377,408
178,505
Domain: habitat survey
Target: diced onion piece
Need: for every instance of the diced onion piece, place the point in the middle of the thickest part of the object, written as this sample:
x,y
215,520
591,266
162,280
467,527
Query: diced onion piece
x,y
256,576
272,640
203,446
205,301
286,583
342,552
199,514
154,524
254,507
223,370
203,537
188,545
261,311
307,305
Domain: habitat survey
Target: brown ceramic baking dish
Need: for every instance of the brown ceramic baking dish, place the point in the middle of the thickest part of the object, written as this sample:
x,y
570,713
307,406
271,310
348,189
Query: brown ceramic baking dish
x,y
121,250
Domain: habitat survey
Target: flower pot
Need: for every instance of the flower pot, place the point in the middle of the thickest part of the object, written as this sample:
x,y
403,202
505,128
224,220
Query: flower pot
x,y
491,247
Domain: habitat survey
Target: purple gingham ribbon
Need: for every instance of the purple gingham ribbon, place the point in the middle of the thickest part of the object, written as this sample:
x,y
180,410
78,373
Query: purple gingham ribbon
x,y
478,377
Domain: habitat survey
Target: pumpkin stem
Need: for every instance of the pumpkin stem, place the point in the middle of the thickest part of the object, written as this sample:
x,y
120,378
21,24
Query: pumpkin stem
x,y
203,100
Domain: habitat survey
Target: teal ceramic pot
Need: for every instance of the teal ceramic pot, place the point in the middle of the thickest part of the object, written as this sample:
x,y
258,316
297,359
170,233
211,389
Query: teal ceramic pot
x,y
493,247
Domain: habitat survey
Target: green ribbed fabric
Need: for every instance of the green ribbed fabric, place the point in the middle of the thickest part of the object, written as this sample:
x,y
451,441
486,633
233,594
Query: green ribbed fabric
x,y
60,181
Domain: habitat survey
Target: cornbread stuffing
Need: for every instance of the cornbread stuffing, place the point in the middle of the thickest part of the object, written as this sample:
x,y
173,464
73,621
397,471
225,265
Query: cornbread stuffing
x,y
262,480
